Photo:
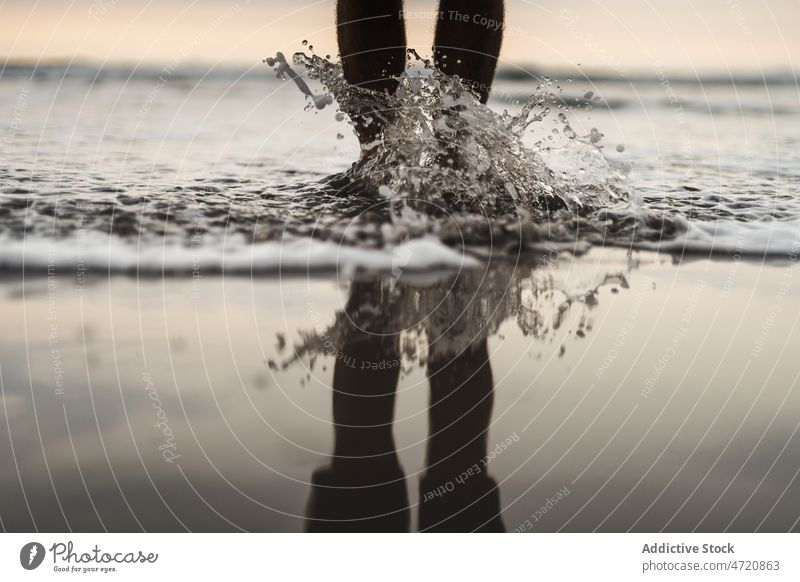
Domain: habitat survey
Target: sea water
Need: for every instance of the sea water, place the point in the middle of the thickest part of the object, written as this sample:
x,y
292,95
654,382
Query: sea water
x,y
616,388
236,169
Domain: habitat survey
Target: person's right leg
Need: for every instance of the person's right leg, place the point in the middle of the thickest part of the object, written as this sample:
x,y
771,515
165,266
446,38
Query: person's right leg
x,y
372,46
468,38
467,43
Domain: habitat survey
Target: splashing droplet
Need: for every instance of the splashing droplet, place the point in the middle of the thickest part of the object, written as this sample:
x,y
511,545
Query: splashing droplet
x,y
284,71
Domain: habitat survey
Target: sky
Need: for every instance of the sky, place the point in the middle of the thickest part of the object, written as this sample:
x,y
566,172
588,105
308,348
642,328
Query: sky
x,y
623,36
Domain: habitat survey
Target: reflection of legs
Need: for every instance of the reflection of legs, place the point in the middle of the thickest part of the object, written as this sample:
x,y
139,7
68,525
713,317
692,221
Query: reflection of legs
x,y
364,488
460,411
468,38
372,46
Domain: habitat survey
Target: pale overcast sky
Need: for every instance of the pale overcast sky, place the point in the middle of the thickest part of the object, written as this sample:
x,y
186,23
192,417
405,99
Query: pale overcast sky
x,y
634,35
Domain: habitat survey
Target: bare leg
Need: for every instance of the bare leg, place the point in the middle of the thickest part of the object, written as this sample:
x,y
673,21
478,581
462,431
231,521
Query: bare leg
x,y
372,46
468,38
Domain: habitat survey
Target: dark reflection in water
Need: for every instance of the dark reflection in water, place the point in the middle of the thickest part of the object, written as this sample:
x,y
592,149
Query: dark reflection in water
x,y
364,488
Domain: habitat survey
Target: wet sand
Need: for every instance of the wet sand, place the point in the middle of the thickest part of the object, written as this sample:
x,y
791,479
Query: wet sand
x,y
607,392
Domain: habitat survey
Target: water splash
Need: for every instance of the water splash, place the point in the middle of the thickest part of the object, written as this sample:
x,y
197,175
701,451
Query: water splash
x,y
440,151
449,166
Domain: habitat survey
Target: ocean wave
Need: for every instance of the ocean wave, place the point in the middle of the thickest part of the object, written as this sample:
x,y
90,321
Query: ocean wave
x,y
96,254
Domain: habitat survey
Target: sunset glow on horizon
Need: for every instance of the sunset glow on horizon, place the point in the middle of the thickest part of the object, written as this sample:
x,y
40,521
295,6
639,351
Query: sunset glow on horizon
x,y
718,36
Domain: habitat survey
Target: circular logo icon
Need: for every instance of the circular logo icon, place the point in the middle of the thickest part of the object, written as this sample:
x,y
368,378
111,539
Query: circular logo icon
x,y
31,555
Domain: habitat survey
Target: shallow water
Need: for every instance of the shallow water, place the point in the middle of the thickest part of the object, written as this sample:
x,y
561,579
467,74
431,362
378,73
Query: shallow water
x,y
608,392
215,325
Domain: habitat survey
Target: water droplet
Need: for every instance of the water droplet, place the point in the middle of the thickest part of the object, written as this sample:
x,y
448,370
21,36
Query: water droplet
x,y
305,43
620,148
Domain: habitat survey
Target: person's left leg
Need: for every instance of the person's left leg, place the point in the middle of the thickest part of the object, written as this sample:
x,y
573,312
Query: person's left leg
x,y
372,45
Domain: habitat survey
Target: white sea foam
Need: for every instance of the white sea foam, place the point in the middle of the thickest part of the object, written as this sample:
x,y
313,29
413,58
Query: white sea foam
x,y
100,254
112,255
730,237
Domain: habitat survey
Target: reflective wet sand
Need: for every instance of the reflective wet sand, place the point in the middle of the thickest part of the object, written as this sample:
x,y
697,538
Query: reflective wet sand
x,y
608,392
